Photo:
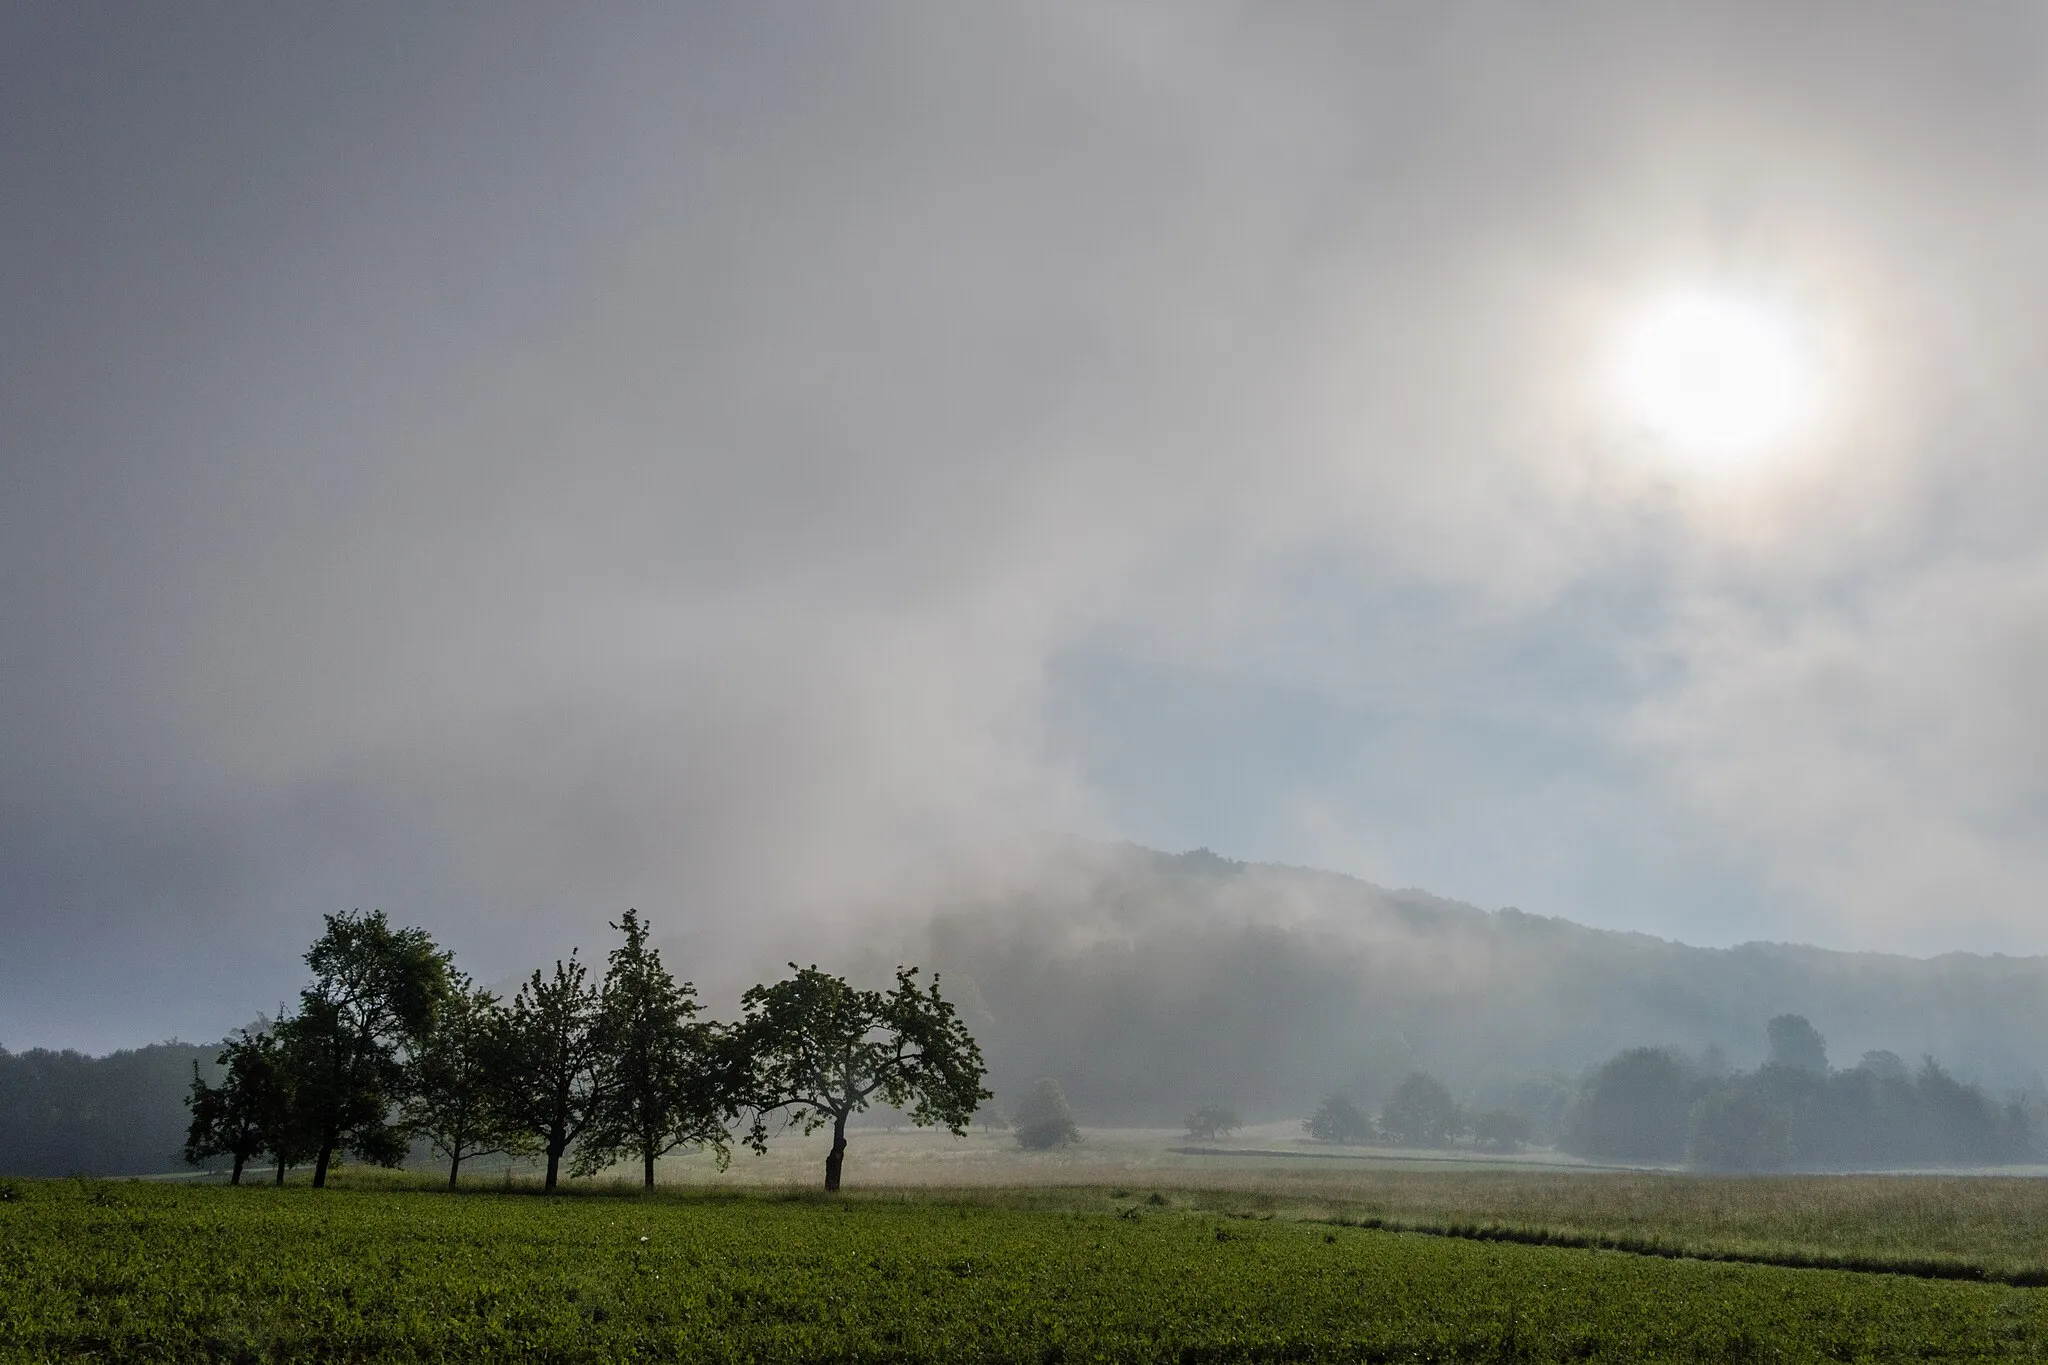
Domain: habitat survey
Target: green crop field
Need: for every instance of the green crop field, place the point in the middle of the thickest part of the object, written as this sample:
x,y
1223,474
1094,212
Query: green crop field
x,y
382,1270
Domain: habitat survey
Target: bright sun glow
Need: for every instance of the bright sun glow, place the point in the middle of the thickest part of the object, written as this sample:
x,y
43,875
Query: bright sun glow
x,y
1714,376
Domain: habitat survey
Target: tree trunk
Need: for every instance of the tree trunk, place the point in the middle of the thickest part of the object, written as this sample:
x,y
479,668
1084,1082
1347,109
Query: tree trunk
x,y
320,1165
454,1165
837,1158
647,1163
236,1178
280,1172
554,1165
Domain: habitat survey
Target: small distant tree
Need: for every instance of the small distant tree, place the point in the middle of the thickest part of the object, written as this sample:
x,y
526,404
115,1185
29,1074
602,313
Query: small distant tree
x,y
555,1068
455,1098
1797,1044
665,1084
1420,1112
821,1051
373,997
1501,1130
1044,1118
1213,1122
247,1112
1338,1119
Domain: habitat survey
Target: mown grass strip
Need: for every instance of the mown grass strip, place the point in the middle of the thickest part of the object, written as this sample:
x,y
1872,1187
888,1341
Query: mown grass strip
x,y
1923,1268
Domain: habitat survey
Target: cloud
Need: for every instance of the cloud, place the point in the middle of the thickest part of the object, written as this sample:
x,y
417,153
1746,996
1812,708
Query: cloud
x,y
507,472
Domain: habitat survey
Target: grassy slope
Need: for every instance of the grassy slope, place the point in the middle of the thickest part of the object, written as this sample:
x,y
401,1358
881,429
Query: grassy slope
x,y
135,1270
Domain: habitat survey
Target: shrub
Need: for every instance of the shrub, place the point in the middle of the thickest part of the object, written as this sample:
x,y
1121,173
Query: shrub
x,y
1044,1119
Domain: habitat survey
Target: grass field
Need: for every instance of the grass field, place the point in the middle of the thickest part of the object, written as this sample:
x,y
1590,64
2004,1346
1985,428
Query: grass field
x,y
384,1268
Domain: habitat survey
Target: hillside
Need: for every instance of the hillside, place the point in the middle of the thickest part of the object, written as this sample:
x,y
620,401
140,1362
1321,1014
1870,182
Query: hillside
x,y
1150,982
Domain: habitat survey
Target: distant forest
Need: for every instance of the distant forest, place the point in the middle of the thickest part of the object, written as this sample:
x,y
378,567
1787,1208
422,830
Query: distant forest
x,y
63,1113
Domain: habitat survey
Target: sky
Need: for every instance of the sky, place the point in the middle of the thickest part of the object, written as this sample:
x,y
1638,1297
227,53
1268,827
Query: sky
x,y
774,465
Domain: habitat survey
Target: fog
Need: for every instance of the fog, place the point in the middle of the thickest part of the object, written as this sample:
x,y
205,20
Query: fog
x,y
786,470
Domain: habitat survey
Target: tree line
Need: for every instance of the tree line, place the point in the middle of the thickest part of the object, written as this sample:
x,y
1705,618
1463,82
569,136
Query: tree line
x,y
392,1045
1655,1104
1649,1104
1421,1112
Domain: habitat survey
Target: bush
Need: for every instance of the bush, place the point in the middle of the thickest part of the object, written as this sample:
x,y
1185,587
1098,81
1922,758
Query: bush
x,y
1213,1121
1338,1119
1420,1112
1044,1119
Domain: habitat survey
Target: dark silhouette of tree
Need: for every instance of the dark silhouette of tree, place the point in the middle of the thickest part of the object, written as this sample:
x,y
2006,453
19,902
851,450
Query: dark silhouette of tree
x,y
556,1068
1795,1043
248,1112
1044,1118
667,1083
455,1095
1737,1129
821,1051
1338,1119
1637,1108
373,997
1420,1112
1213,1121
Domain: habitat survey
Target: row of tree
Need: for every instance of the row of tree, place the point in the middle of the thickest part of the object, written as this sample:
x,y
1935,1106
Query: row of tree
x,y
392,1045
1421,1112
1794,1111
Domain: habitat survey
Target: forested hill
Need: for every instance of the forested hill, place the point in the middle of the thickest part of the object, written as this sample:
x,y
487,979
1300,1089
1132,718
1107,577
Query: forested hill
x,y
62,1113
1147,983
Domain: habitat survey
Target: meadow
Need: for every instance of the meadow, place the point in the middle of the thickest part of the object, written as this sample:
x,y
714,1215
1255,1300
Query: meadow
x,y
1253,1266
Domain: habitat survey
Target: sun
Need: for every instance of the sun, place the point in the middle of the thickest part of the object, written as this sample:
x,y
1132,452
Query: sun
x,y
1715,377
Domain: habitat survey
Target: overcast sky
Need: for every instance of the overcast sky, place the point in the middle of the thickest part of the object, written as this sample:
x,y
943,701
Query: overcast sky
x,y
760,465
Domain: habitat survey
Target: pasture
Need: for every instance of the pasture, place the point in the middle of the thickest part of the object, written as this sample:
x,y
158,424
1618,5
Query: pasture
x,y
1254,1265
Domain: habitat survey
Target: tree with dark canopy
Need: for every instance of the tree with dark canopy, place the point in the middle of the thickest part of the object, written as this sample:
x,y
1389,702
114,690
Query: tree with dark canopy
x,y
822,1051
455,1097
1420,1112
1044,1118
556,1071
1212,1122
1638,1108
1338,1119
1797,1044
665,1084
249,1112
374,993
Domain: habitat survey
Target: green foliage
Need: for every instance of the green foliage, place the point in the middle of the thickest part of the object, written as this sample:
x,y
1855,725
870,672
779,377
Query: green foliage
x,y
374,995
1636,1109
252,1111
211,1273
456,1093
1044,1118
821,1051
1797,1044
1213,1121
1420,1112
1339,1119
555,1068
665,1085
1877,1114
121,1114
